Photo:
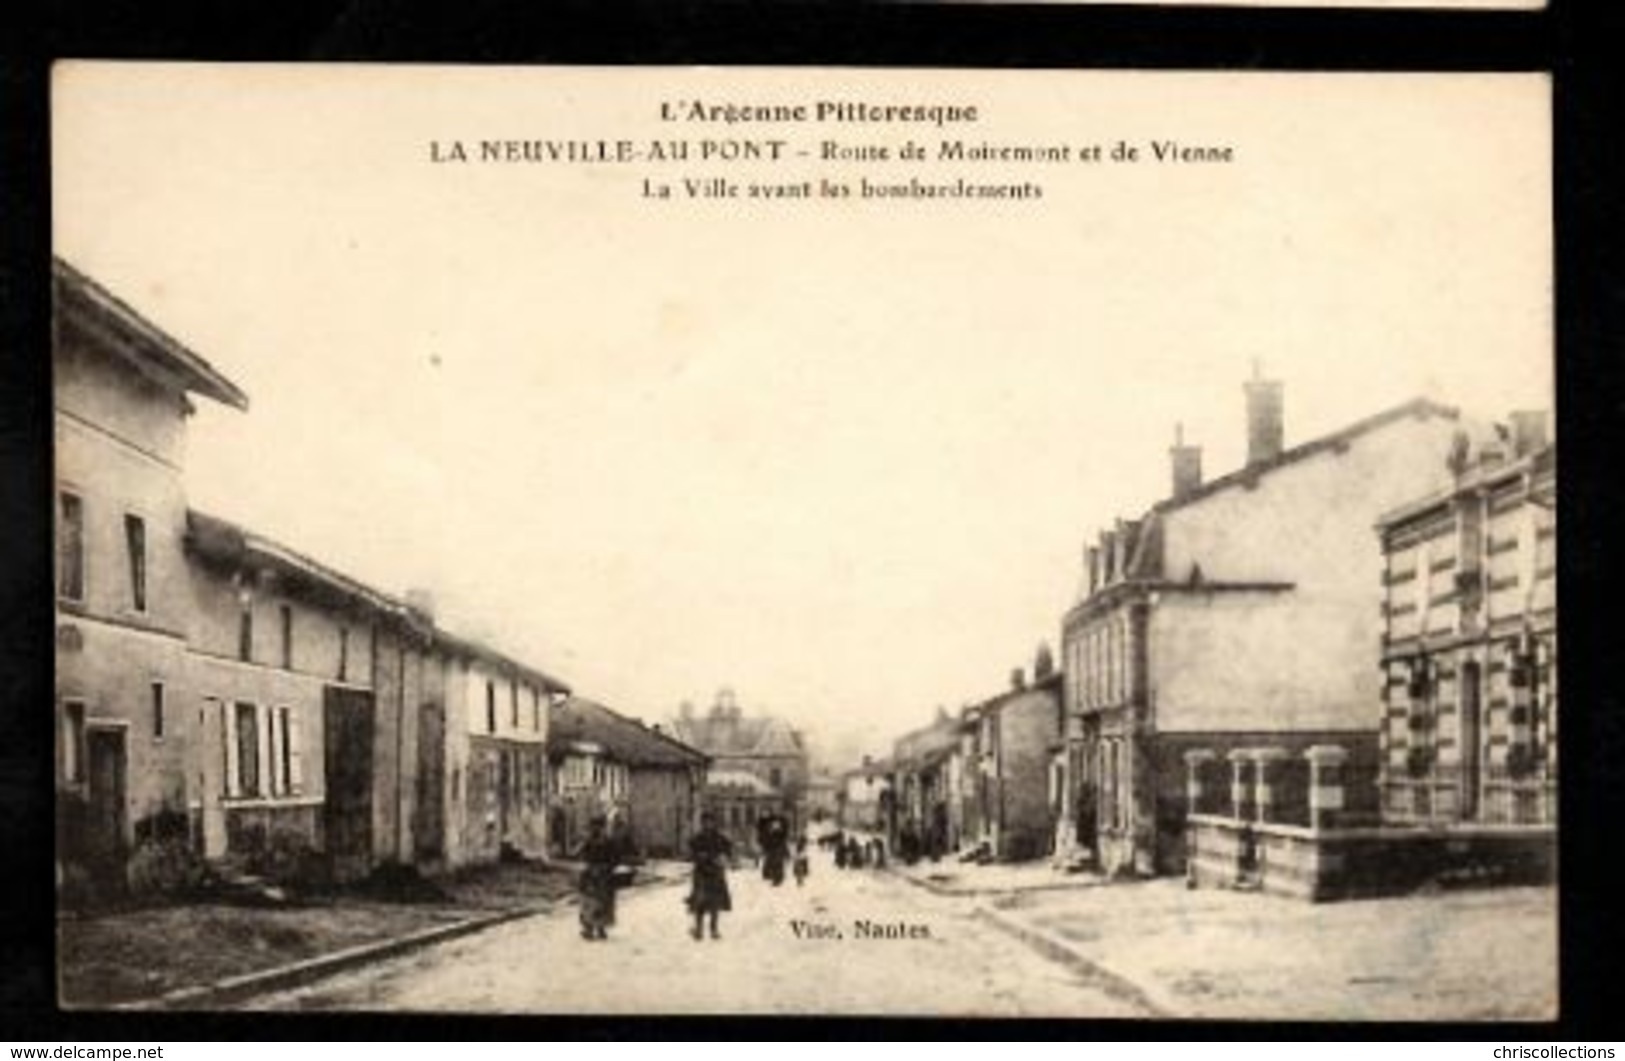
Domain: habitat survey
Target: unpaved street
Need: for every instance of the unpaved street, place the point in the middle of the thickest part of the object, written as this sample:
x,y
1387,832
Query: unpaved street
x,y
956,964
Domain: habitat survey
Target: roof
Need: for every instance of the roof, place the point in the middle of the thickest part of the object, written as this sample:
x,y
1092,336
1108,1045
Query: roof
x,y
226,543
1249,474
628,740
1050,683
739,779
151,350
736,735
1540,462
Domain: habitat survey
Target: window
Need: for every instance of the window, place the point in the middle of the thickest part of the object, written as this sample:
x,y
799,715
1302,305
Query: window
x,y
285,759
287,638
135,541
775,776
71,547
158,710
535,710
248,750
73,742
490,707
245,634
344,653
513,701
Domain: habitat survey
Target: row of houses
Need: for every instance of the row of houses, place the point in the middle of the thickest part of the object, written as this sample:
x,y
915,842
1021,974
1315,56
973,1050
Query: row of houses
x,y
1358,630
219,687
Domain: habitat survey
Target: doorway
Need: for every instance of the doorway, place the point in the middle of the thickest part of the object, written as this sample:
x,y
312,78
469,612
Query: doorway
x,y
347,810
105,797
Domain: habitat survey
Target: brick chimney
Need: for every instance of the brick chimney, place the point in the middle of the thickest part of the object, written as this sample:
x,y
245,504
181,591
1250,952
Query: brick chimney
x,y
1018,678
1092,553
1528,431
1186,462
1264,426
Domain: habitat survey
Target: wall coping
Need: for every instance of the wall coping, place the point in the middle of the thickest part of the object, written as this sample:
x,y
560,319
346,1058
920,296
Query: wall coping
x,y
1372,832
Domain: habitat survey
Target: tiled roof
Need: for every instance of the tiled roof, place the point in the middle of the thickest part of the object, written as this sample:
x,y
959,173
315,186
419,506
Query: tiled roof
x,y
223,542
125,332
580,719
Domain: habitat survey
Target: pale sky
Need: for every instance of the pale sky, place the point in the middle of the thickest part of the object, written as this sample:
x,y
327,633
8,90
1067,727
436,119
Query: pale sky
x,y
842,457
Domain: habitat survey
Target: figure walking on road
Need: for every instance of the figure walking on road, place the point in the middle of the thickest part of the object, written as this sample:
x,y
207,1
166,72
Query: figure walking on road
x,y
597,883
708,895
801,863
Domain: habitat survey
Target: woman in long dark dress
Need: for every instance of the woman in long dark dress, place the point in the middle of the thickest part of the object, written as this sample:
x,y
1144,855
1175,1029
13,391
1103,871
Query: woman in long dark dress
x,y
708,896
597,883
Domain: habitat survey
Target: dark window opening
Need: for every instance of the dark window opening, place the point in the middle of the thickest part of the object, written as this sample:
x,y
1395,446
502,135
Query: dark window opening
x,y
245,634
287,638
158,710
71,548
135,540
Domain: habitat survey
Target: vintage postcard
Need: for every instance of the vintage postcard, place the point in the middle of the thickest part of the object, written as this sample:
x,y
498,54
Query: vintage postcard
x,y
805,541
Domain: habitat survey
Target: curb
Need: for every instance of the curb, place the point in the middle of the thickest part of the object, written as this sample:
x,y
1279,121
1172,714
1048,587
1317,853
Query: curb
x,y
974,892
1108,982
236,988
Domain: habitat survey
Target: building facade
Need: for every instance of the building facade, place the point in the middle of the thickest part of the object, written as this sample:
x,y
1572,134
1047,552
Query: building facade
x,y
1009,776
864,799
647,784
222,690
761,746
1235,613
125,698
1469,717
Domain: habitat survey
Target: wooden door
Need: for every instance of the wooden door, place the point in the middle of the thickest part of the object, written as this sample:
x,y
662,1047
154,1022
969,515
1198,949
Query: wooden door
x,y
105,777
347,760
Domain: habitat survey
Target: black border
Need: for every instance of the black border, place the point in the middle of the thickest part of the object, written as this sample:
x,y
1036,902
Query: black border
x,y
1574,41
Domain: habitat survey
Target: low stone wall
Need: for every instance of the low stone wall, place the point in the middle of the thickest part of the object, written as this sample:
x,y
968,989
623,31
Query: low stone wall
x,y
1319,864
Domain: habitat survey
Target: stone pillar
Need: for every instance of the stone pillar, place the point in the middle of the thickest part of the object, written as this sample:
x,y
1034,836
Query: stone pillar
x,y
1240,782
1265,759
1326,762
1195,760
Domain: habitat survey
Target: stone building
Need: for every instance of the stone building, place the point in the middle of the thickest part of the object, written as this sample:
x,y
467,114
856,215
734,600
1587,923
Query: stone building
x,y
647,783
1469,717
923,787
217,687
864,798
1235,613
124,694
1007,780
762,746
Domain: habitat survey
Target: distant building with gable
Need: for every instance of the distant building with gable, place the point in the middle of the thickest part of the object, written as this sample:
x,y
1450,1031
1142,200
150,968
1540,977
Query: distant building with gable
x,y
764,747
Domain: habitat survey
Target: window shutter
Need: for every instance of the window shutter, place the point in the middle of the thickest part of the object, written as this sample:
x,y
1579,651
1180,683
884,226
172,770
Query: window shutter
x,y
273,782
263,722
233,775
294,737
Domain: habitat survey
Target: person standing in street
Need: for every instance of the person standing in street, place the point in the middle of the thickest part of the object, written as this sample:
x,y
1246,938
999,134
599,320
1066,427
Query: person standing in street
x,y
708,895
597,883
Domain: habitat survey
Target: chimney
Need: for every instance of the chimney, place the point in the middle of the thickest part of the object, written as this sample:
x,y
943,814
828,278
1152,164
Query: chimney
x,y
1187,465
1043,663
1264,429
1528,431
1093,554
1108,554
1018,678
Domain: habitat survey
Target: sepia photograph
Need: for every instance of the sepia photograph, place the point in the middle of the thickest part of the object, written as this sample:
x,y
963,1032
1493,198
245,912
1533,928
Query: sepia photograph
x,y
804,541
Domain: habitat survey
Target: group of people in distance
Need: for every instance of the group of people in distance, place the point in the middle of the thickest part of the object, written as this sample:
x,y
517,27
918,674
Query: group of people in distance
x,y
602,874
